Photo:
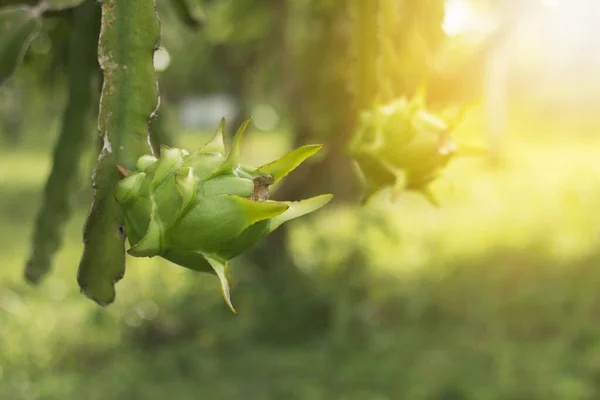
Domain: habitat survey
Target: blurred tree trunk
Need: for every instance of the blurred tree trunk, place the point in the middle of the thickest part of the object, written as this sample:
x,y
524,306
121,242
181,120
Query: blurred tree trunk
x,y
311,92
331,52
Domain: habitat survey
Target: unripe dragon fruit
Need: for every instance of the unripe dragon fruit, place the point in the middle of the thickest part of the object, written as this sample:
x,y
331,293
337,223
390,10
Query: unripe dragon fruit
x,y
202,209
402,146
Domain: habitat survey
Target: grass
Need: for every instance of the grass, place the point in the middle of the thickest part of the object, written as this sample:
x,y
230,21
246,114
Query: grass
x,y
493,296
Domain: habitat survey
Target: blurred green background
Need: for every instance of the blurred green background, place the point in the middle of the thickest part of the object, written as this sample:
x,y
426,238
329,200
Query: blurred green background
x,y
495,295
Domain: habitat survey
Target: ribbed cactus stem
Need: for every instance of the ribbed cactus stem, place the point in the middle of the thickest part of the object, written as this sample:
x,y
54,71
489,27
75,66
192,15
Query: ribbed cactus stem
x,y
56,208
129,36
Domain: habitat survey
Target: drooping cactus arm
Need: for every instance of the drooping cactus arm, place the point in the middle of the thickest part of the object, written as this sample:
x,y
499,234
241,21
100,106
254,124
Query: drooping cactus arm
x,y
20,23
18,27
129,36
56,209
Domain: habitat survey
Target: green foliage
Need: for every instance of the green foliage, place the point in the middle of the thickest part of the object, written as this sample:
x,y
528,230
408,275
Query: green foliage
x,y
75,133
18,27
202,209
477,299
130,35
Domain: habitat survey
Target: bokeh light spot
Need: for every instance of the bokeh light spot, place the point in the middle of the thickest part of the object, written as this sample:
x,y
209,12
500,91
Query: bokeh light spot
x,y
265,117
162,59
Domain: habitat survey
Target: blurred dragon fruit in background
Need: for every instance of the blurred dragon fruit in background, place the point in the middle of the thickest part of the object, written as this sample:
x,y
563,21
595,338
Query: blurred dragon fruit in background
x,y
402,146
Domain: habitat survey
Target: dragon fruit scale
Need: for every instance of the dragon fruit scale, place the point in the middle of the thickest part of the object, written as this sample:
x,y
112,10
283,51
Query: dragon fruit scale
x,y
202,209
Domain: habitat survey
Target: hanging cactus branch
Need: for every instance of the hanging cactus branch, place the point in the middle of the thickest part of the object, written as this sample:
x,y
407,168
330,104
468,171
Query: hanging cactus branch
x,y
20,23
202,209
56,207
130,34
18,27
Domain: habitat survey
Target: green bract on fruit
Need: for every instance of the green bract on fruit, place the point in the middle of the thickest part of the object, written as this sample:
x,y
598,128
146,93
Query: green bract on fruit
x,y
202,209
401,146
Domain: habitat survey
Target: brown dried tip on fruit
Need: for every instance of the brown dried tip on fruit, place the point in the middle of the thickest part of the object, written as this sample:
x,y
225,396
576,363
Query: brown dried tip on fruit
x,y
261,188
123,171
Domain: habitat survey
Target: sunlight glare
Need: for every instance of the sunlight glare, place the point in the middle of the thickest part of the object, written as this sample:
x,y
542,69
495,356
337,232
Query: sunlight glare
x,y
457,16
550,3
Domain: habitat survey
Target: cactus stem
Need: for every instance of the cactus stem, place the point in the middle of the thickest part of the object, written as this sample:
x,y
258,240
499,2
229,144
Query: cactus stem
x,y
129,35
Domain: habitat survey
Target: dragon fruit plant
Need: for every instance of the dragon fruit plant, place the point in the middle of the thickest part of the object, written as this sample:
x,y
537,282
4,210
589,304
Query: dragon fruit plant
x,y
402,146
202,209
197,210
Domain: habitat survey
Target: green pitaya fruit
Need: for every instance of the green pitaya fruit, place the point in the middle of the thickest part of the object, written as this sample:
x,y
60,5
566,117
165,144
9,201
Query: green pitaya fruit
x,y
202,209
402,146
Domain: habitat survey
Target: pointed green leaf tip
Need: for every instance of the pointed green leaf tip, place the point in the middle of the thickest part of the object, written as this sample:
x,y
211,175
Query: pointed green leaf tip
x,y
236,151
145,162
127,189
186,186
280,168
170,161
217,143
426,191
222,269
299,208
255,211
